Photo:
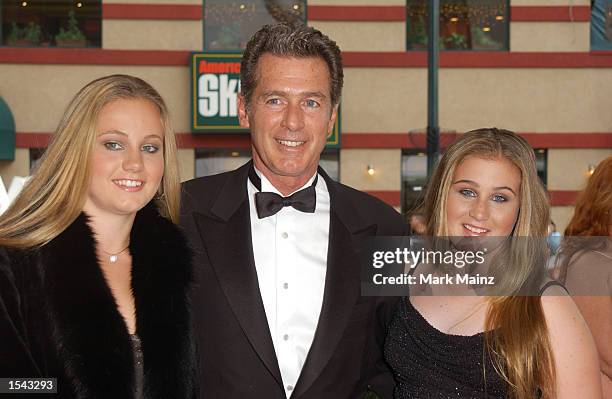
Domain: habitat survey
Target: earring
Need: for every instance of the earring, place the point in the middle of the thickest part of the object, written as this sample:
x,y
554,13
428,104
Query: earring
x,y
160,195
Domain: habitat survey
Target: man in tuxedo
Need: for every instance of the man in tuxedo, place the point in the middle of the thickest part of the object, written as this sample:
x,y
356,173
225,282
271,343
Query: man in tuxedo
x,y
277,301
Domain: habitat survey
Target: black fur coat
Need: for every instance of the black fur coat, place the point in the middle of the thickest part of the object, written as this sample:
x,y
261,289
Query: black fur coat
x,y
58,317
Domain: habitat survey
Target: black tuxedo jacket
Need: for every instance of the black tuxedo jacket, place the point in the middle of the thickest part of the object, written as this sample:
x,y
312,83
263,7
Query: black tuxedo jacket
x,y
237,357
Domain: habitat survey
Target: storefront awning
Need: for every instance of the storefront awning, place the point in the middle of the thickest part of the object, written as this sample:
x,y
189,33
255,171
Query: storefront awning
x,y
7,132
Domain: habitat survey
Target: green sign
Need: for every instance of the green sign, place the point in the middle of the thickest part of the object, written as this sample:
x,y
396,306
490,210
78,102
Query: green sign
x,y
333,141
215,84
7,132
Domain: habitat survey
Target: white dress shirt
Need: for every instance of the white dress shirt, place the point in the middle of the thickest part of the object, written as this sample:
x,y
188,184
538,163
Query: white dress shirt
x,y
290,250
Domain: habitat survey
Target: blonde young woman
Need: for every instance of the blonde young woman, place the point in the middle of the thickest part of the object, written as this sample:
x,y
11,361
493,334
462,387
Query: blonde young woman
x,y
93,271
520,347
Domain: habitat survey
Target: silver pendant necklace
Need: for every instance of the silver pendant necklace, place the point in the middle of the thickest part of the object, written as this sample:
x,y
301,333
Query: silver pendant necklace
x,y
114,257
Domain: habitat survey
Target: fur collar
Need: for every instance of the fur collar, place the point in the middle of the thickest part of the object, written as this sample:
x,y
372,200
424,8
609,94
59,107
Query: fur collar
x,y
92,337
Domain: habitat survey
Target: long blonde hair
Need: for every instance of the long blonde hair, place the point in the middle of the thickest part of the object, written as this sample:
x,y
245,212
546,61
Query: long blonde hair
x,y
55,194
516,334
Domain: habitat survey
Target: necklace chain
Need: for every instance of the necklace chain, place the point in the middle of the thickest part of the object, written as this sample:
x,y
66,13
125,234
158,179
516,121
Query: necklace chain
x,y
114,257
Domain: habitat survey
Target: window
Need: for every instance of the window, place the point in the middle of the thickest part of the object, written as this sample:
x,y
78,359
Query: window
x,y
464,25
541,162
215,161
414,179
51,23
35,157
229,25
601,25
330,162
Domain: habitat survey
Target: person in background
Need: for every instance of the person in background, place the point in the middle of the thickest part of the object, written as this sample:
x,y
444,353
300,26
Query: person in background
x,y
587,263
455,343
94,273
417,224
554,242
553,238
278,278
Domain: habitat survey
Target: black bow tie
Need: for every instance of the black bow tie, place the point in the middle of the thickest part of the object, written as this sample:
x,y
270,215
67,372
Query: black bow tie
x,y
268,204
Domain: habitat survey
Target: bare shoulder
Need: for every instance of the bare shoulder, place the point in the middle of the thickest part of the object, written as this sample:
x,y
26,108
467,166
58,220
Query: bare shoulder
x,y
563,317
574,352
559,307
592,257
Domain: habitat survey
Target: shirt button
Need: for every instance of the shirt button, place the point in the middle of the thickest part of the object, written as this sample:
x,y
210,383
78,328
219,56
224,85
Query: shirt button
x,y
286,285
285,235
289,387
285,337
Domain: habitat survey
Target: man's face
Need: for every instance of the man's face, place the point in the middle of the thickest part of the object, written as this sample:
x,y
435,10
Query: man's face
x,y
290,116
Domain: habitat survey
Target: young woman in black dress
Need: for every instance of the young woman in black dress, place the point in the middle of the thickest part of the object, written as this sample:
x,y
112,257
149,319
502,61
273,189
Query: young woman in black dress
x,y
94,272
469,346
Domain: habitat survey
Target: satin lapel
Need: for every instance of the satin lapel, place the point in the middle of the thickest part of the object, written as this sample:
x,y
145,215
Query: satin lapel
x,y
342,285
226,235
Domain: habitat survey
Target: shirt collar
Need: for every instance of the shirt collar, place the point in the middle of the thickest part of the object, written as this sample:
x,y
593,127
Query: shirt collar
x,y
266,186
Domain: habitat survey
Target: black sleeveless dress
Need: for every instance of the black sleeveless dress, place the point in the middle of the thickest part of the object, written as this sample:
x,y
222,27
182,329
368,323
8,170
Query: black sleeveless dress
x,y
428,363
138,366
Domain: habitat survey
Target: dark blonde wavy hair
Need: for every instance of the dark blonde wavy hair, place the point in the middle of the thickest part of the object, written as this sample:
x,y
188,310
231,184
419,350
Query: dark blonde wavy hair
x,y
55,194
516,335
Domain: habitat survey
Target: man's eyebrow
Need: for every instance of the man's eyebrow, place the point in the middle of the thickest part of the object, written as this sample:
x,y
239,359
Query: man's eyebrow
x,y
477,185
273,93
316,94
